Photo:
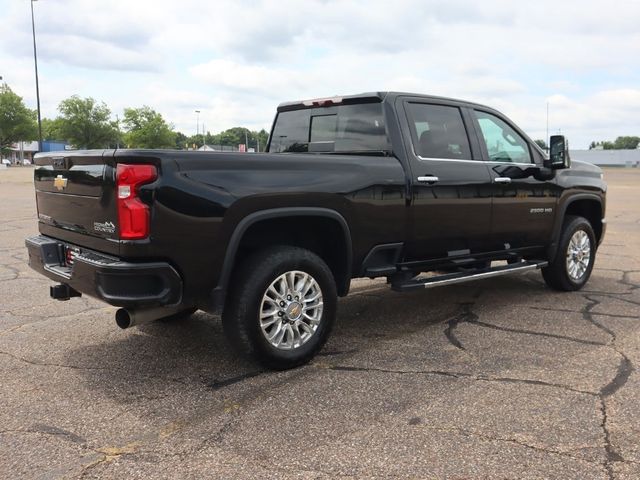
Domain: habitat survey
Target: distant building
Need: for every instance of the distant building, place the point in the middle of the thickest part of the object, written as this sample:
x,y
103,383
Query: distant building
x,y
608,158
54,145
206,148
21,151
217,148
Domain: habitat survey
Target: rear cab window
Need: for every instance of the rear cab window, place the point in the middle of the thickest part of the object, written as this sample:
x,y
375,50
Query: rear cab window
x,y
345,129
438,131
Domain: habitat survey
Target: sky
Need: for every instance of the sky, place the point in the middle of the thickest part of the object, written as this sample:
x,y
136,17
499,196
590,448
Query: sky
x,y
235,61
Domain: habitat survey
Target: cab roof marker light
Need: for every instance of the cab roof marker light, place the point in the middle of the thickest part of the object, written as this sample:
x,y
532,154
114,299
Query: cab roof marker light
x,y
322,101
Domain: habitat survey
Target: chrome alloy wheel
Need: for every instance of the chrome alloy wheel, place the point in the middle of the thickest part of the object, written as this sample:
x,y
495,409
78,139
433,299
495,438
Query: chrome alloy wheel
x,y
291,310
578,255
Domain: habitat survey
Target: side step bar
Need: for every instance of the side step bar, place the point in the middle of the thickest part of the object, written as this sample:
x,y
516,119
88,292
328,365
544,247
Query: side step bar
x,y
460,277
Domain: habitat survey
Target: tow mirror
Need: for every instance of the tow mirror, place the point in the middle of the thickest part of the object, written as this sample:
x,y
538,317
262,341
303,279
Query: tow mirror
x,y
558,153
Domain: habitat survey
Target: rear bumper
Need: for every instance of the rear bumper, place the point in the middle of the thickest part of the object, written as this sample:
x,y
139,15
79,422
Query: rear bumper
x,y
108,278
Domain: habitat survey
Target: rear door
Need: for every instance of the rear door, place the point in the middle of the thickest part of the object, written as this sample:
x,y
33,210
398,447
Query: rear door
x,y
450,212
75,196
523,205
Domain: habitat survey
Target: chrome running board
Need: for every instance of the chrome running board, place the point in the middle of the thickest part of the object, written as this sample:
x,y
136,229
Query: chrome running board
x,y
460,277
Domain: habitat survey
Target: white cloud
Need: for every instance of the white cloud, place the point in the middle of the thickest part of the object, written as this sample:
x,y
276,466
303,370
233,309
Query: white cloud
x,y
257,78
236,60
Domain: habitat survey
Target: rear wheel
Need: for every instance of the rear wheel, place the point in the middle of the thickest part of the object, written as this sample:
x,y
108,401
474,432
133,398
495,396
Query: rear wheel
x,y
572,267
281,307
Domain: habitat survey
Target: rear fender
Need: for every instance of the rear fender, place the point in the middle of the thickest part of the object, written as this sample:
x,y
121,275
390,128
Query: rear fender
x,y
220,291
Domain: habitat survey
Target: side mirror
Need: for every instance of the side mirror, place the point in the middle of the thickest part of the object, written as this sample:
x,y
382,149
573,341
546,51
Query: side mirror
x,y
558,153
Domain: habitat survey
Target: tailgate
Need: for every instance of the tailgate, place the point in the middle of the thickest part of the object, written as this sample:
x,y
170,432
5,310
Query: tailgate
x,y
75,196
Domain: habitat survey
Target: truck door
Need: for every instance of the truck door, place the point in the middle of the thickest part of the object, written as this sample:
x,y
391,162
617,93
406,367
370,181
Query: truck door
x,y
450,210
523,205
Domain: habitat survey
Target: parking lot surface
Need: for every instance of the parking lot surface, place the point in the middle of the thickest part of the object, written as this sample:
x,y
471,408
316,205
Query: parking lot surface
x,y
501,378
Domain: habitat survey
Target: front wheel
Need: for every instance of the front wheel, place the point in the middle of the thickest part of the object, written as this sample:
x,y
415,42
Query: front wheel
x,y
281,307
572,267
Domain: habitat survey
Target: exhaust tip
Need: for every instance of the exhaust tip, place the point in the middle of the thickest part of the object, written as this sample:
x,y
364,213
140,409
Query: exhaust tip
x,y
123,318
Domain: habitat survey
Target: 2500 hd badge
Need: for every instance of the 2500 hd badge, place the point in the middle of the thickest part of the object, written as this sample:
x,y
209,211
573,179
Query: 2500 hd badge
x,y
541,210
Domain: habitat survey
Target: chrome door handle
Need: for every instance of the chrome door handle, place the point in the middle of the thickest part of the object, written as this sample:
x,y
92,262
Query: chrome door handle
x,y
502,180
428,179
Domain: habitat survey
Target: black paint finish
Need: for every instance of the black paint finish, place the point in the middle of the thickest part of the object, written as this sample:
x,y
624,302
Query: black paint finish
x,y
200,199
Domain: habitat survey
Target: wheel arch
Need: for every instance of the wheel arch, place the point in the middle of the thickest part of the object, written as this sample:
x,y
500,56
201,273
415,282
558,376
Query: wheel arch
x,y
261,221
587,205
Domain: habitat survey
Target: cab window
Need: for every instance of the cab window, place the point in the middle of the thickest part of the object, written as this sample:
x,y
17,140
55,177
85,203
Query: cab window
x,y
345,129
291,132
503,143
438,132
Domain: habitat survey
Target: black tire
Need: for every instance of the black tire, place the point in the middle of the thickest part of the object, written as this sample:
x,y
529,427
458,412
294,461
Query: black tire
x,y
241,317
557,273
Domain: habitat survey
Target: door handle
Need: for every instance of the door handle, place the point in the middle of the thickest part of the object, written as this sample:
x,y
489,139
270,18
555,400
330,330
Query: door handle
x,y
502,180
428,179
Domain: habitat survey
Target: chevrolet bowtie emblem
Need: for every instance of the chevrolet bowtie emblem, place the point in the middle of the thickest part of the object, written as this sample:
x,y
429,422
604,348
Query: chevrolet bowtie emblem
x,y
60,182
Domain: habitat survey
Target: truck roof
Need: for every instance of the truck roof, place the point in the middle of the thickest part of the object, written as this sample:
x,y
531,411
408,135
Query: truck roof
x,y
366,97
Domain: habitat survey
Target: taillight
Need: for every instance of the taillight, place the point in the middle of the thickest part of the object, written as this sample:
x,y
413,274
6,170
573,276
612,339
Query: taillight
x,y
133,214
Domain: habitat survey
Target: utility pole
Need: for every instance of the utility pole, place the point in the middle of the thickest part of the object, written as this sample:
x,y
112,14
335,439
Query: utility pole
x,y
35,61
197,121
246,141
546,139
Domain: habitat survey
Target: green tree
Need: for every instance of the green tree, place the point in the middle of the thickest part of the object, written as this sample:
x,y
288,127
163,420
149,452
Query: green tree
x,y
541,143
17,122
197,140
85,123
231,137
145,128
620,143
181,141
237,135
262,137
51,129
628,142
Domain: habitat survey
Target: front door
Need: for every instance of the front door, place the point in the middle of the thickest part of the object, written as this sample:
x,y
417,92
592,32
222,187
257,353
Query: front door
x,y
450,212
523,203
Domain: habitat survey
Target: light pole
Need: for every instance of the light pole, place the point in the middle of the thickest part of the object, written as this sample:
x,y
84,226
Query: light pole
x,y
197,121
35,61
546,139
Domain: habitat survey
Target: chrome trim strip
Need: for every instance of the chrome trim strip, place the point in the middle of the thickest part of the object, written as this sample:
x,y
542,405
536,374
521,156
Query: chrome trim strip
x,y
502,180
428,179
477,161
495,273
57,270
449,159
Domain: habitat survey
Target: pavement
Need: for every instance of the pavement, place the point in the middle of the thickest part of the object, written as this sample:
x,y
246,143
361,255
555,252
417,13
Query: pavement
x,y
501,378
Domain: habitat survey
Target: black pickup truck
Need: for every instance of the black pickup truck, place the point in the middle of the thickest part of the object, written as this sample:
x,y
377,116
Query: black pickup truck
x,y
423,190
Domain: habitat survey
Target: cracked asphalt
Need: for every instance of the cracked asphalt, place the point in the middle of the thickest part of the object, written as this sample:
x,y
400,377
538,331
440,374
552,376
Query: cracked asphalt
x,y
501,378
